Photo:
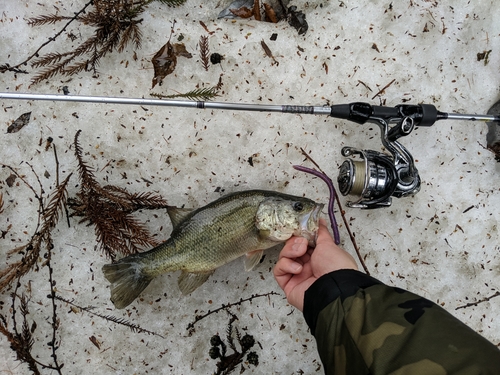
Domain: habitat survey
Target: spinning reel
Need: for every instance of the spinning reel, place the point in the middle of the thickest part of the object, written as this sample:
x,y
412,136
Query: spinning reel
x,y
376,177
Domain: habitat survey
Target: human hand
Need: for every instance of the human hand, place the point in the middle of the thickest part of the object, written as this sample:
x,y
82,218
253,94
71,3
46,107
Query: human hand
x,y
299,267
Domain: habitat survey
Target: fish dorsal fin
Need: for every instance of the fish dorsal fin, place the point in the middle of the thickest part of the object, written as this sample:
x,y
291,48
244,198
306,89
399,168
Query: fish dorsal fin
x,y
252,259
177,214
188,281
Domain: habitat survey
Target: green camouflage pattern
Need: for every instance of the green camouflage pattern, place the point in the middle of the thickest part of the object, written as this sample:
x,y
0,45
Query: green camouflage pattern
x,y
385,330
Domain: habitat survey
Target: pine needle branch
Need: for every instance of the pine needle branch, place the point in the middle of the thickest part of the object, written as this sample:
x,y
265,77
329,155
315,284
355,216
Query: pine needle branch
x,y
172,2
49,19
50,58
20,342
110,210
206,93
204,52
115,23
50,40
114,319
21,338
48,218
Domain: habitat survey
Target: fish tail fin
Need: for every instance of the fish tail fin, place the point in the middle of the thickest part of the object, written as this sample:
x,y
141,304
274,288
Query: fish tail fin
x,y
127,280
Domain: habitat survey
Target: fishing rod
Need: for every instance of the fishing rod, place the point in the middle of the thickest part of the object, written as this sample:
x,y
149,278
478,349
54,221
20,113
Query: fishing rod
x,y
344,111
375,177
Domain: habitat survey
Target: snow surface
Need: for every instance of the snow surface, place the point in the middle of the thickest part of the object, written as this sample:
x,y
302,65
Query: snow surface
x,y
442,243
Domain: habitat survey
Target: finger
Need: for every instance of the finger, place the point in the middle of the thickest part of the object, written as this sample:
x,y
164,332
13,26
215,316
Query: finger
x,y
330,256
295,247
287,266
284,270
324,236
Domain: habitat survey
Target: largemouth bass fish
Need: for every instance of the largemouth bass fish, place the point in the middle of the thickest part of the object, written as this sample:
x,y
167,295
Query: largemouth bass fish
x,y
243,223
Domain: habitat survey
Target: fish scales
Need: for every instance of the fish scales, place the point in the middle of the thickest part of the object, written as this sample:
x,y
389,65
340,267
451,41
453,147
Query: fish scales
x,y
194,248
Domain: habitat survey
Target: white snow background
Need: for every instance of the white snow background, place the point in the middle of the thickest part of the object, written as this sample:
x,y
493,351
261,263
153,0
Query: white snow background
x,y
442,243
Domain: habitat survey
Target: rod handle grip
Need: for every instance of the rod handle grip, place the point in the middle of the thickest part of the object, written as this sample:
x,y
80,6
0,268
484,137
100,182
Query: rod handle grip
x,y
359,112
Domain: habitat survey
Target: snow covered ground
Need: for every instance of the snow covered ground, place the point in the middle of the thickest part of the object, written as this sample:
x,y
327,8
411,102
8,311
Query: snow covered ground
x,y
442,243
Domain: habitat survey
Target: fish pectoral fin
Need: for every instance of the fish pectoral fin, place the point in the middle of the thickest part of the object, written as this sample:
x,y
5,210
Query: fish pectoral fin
x,y
252,258
189,281
264,234
177,214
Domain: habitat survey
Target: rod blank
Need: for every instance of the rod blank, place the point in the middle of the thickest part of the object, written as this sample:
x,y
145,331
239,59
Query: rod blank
x,y
170,103
314,110
459,116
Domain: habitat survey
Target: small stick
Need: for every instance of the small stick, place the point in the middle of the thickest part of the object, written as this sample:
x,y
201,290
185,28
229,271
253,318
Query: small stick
x,y
225,307
478,302
383,89
50,40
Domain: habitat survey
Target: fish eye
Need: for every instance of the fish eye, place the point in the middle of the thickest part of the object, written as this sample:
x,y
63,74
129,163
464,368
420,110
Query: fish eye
x,y
297,206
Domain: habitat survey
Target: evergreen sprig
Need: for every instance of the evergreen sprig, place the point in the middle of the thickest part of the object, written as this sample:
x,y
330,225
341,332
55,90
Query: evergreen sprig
x,y
204,52
30,251
110,210
134,327
115,25
206,93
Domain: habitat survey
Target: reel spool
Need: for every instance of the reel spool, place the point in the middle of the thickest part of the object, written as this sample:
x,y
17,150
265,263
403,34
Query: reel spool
x,y
374,178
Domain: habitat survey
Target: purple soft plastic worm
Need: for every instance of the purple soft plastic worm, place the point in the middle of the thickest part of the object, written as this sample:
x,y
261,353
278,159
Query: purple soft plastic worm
x,y
331,201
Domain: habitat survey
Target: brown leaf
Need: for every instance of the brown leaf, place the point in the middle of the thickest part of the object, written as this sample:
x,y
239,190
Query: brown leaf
x,y
18,124
10,180
94,341
165,60
242,12
270,13
256,10
180,50
164,63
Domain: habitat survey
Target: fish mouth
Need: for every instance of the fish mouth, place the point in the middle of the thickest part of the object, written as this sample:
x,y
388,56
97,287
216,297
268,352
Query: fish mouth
x,y
309,224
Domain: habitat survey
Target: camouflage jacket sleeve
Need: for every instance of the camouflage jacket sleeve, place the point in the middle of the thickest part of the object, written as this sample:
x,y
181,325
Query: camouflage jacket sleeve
x,y
363,326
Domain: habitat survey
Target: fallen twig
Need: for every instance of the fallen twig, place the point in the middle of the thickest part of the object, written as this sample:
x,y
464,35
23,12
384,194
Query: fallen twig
x,y
114,319
383,89
478,302
225,307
